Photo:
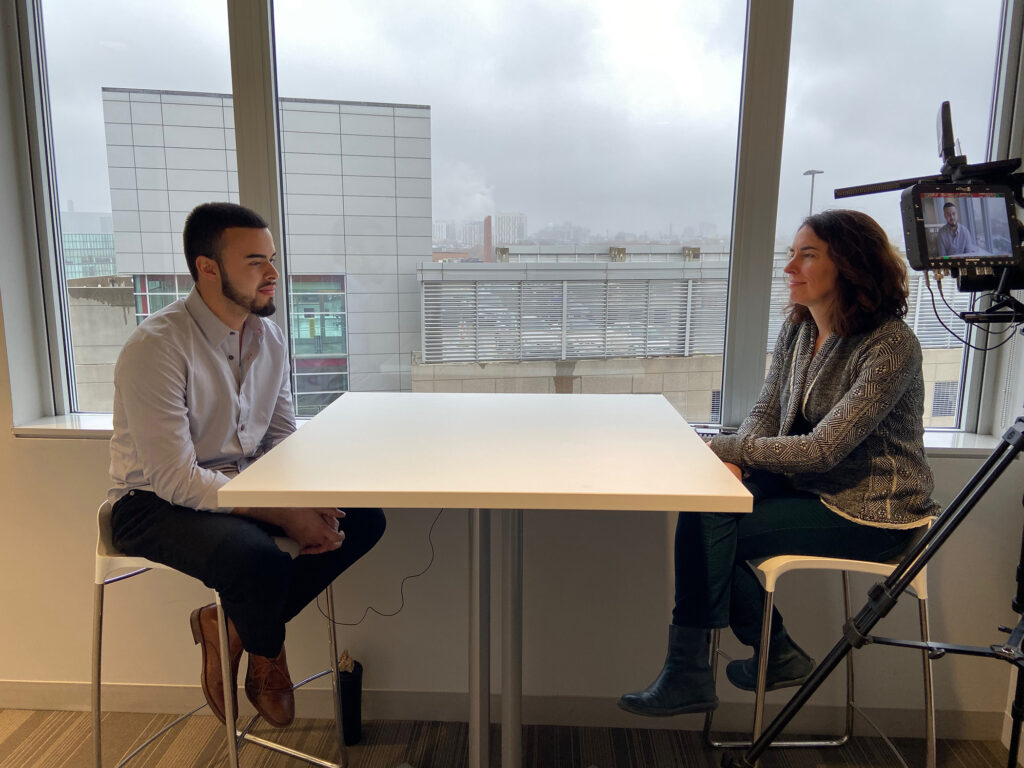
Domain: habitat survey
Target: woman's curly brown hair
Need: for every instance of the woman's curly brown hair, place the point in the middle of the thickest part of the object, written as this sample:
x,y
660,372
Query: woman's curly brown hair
x,y
871,284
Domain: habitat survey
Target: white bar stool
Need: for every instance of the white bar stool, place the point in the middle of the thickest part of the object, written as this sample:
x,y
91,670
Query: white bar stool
x,y
113,566
772,569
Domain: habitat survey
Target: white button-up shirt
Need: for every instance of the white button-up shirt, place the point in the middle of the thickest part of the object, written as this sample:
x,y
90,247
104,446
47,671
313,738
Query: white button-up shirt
x,y
194,406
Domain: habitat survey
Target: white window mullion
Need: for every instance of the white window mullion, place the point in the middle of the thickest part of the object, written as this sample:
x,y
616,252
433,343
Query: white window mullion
x,y
46,332
254,99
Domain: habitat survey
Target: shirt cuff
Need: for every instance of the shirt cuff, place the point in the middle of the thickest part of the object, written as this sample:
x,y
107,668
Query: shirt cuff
x,y
728,448
209,501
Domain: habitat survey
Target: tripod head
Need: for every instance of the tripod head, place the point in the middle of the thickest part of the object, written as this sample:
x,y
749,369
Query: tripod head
x,y
984,251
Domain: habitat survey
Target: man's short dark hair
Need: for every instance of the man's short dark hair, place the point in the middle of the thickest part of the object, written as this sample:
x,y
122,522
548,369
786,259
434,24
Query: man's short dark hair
x,y
205,225
949,205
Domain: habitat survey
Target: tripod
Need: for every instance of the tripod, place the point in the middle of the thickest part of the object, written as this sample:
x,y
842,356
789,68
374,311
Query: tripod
x,y
882,597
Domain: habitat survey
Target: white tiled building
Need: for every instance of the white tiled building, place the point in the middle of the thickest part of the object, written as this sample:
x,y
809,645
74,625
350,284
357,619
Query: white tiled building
x,y
358,220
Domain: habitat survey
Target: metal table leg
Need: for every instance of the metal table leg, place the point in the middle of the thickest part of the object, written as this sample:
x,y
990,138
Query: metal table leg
x,y
332,642
479,637
512,640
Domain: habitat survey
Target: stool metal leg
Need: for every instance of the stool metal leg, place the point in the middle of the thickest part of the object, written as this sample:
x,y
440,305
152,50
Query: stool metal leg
x,y
225,670
716,639
762,669
762,663
332,631
97,656
929,693
331,670
233,736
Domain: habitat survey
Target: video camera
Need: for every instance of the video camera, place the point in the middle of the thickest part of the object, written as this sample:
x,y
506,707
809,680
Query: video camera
x,y
964,221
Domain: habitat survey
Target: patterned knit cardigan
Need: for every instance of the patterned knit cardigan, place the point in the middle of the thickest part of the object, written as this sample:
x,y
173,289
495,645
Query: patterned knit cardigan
x,y
865,395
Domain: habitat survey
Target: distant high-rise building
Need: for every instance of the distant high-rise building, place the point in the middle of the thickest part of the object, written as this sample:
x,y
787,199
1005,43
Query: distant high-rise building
x,y
509,228
472,233
440,232
88,243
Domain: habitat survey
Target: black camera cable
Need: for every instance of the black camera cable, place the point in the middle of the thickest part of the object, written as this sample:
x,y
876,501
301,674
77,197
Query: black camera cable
x,y
401,586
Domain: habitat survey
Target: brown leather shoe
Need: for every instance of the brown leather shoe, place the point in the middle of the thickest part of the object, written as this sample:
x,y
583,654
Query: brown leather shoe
x,y
269,687
204,632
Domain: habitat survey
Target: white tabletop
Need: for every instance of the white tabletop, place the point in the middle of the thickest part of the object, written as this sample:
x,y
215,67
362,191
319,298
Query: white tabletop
x,y
493,451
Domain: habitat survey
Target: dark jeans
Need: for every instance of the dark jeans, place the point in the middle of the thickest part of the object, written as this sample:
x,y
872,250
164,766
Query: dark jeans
x,y
715,587
260,586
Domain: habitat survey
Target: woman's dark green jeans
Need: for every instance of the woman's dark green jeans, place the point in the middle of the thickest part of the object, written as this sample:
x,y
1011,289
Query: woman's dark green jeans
x,y
715,587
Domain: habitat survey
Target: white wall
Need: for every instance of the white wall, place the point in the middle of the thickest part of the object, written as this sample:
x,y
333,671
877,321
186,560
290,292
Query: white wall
x,y
596,596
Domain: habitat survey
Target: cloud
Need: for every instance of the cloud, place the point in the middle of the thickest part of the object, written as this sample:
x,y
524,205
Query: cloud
x,y
461,192
615,116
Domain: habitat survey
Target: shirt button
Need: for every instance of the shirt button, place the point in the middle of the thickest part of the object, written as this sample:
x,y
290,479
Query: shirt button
x,y
231,357
242,428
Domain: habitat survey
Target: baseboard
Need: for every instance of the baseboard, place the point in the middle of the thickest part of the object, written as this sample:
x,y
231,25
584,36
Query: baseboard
x,y
541,710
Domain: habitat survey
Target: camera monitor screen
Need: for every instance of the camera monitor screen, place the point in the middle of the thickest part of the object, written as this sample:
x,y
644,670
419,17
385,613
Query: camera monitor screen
x,y
949,226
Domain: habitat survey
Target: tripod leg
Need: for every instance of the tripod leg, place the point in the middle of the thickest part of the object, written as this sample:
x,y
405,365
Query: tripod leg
x,y
1017,715
818,676
883,596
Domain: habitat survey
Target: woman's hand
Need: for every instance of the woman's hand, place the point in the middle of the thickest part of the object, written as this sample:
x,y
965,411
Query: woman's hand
x,y
734,469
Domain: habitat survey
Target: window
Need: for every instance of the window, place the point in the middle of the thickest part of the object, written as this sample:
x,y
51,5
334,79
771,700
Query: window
x,y
319,341
423,199
127,167
831,142
568,150
154,292
944,399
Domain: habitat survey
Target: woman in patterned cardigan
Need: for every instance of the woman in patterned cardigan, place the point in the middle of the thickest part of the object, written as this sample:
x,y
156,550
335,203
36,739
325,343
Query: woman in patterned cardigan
x,y
832,452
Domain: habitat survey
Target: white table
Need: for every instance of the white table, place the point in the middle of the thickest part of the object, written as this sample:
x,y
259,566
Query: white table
x,y
486,452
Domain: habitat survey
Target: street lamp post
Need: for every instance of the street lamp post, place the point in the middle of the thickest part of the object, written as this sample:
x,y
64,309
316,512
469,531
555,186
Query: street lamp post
x,y
812,173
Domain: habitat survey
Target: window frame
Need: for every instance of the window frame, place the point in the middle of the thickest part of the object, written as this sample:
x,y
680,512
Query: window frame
x,y
767,42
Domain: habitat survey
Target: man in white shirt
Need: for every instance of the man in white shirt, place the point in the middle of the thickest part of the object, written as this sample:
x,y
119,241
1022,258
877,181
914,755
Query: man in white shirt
x,y
201,389
954,237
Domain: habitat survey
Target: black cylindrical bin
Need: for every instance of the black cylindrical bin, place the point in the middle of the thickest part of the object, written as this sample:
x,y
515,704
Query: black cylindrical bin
x,y
350,692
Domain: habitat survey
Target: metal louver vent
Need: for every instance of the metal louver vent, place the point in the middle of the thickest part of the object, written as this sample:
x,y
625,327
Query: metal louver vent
x,y
511,320
556,320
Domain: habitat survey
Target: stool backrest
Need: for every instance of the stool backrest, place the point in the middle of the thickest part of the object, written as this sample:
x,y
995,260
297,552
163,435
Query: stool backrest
x,y
108,559
104,535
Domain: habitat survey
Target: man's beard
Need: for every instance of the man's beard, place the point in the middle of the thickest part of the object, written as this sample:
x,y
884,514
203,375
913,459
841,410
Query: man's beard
x,y
233,294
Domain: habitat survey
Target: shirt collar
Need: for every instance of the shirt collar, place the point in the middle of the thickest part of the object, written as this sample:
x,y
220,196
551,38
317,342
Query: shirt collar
x,y
213,328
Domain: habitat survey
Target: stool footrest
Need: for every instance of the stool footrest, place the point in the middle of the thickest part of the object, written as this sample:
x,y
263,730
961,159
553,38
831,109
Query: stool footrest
x,y
275,747
157,735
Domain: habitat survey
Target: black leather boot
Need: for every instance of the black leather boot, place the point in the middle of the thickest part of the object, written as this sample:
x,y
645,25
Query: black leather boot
x,y
685,684
788,666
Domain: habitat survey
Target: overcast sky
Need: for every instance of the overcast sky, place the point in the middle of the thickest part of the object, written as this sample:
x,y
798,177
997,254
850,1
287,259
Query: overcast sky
x,y
617,116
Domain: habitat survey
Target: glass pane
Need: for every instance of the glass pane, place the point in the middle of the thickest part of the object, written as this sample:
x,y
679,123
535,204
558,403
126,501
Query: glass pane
x,y
864,90
133,154
417,136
